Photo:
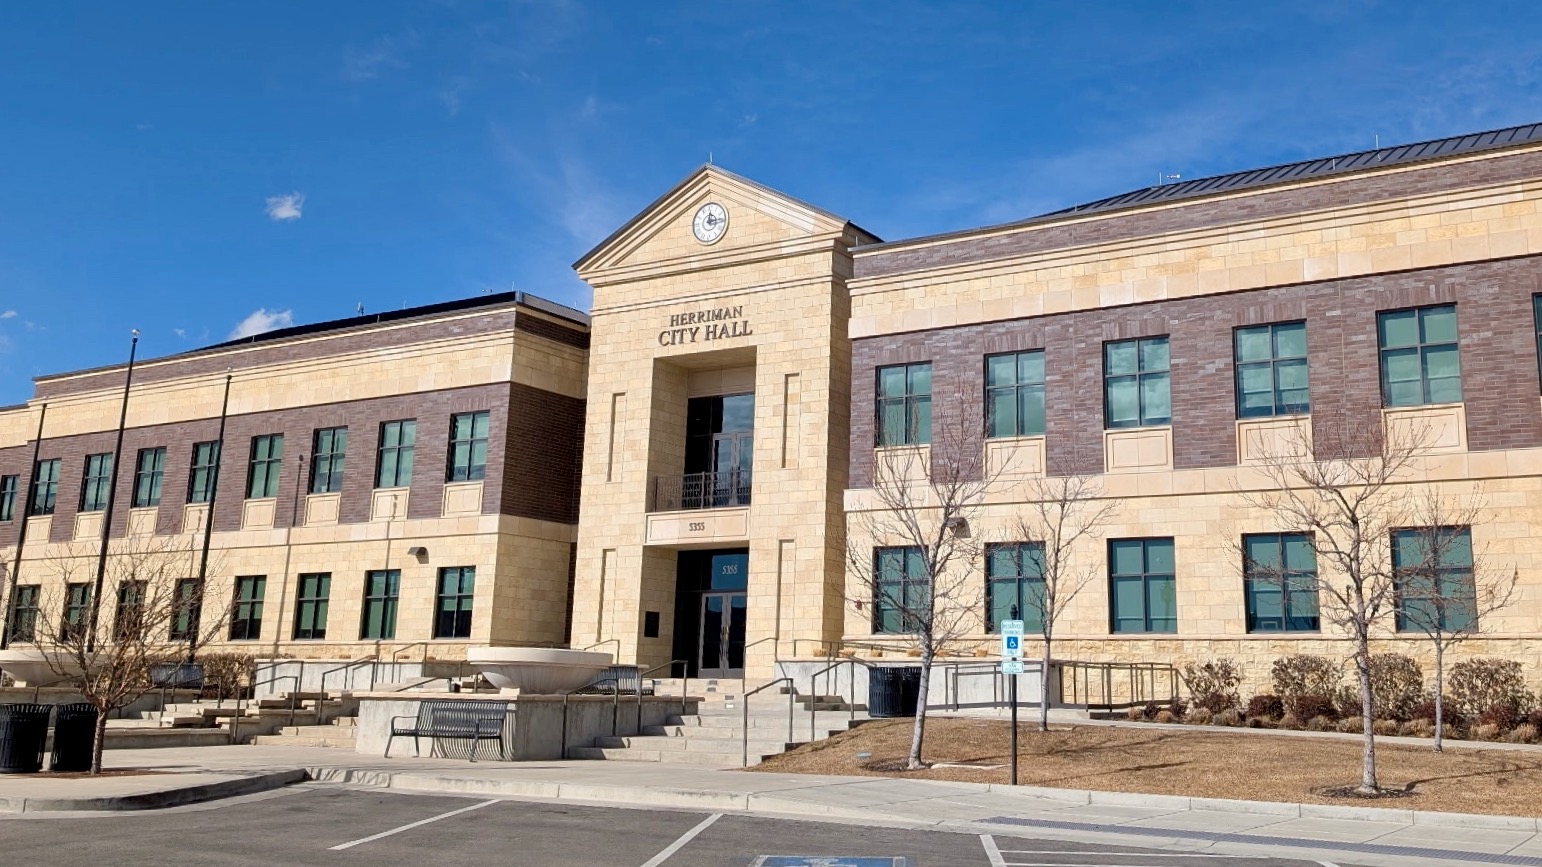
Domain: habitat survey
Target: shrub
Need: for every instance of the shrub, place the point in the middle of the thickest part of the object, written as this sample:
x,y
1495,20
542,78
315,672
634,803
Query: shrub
x,y
1525,733
1425,710
1258,722
1304,674
1310,707
228,673
1385,726
1487,732
1397,685
1322,723
1198,716
1178,708
1534,719
1505,715
1289,721
1347,701
1418,728
1352,725
1213,685
1478,684
1136,714
1151,710
1228,717
1266,706
1164,716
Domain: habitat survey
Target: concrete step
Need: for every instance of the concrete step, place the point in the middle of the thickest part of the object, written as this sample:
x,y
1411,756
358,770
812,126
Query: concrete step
x,y
705,760
333,732
148,738
290,741
679,745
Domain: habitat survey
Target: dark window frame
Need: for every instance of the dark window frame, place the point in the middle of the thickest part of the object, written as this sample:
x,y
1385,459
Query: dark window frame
x,y
915,407
1443,579
96,483
1147,578
128,620
1022,555
188,611
76,614
892,591
1019,390
453,611
1421,351
265,468
44,499
246,607
462,464
152,477
9,492
1274,363
312,601
384,599
204,472
402,448
1139,377
1288,582
26,604
329,452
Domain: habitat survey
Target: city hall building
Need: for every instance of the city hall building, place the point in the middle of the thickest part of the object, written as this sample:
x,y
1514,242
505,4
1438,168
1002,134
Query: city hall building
x,y
684,473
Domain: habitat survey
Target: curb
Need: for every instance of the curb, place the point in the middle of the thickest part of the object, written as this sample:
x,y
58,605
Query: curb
x,y
158,800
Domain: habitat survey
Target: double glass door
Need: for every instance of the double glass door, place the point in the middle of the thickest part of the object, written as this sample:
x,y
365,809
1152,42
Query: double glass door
x,y
732,455
722,635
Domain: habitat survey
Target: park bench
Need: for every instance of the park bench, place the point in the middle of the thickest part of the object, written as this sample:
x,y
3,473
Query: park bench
x,y
475,721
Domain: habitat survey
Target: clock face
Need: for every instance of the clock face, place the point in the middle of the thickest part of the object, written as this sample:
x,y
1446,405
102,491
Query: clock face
x,y
710,222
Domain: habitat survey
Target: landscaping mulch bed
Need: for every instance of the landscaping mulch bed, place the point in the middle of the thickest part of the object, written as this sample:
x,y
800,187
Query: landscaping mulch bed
x,y
1195,764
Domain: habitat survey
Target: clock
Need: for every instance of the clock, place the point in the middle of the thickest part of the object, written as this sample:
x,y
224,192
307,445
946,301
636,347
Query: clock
x,y
710,222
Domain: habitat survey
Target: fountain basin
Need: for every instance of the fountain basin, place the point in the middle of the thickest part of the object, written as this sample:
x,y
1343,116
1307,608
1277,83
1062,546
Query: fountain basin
x,y
537,670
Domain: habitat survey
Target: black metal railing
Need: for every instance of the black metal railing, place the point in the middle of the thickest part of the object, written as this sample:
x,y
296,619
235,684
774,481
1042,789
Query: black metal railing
x,y
700,491
1111,686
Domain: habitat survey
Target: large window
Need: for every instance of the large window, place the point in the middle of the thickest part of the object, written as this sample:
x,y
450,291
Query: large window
x,y
382,587
1271,370
8,486
393,469
1014,394
1142,588
901,589
189,609
310,615
1420,362
267,464
327,452
468,447
1280,582
452,607
129,620
905,404
1136,390
1014,585
97,484
25,602
205,472
149,470
77,609
1433,571
246,613
45,492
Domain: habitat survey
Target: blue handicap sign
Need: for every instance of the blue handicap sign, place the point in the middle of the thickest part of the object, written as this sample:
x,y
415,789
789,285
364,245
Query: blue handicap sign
x,y
828,861
1013,642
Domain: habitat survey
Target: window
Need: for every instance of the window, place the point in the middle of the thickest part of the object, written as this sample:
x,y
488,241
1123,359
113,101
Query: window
x,y
452,609
1136,391
148,472
189,609
45,492
905,404
8,486
468,447
1432,567
1014,582
1280,582
394,467
205,474
77,610
1271,370
24,610
246,614
310,616
1014,394
1536,321
327,451
266,465
381,589
129,621
93,492
902,589
1142,595
1420,363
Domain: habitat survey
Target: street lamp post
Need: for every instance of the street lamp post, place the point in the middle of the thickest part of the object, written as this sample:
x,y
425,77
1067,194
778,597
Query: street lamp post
x,y
112,496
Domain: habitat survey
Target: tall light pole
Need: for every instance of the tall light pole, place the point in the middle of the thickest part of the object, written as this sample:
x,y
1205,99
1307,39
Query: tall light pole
x,y
112,496
208,523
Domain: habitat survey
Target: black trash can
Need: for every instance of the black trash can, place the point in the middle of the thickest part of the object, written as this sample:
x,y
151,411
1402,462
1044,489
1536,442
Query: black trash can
x,y
74,737
23,731
892,690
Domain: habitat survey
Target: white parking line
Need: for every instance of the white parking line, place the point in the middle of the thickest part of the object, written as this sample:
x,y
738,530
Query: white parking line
x,y
685,838
1127,854
352,843
991,851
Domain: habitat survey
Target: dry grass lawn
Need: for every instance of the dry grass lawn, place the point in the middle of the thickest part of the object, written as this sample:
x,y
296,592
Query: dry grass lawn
x,y
1196,764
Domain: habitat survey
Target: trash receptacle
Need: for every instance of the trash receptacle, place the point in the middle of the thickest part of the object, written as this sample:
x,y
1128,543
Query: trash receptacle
x,y
892,690
23,731
74,738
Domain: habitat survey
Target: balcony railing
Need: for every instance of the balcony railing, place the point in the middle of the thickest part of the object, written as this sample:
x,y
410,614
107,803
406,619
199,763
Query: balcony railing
x,y
700,491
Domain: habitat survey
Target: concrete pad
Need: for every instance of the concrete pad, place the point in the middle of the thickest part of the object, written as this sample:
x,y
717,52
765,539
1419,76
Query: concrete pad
x,y
26,794
1463,839
1213,820
1334,830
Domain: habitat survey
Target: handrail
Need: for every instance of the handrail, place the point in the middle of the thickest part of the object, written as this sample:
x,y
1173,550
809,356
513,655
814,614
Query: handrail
x,y
616,641
792,690
685,682
396,655
615,708
828,646
240,709
1141,675
691,491
813,711
373,657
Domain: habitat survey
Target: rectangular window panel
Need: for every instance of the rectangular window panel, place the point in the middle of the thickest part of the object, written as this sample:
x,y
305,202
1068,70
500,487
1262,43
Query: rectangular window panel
x,y
77,610
902,591
453,602
382,589
310,617
204,474
1280,582
1014,394
468,447
267,465
149,470
45,488
8,488
246,612
1271,370
129,619
97,483
904,404
1136,388
1142,586
1420,356
393,468
328,448
26,601
189,609
1014,582
1433,570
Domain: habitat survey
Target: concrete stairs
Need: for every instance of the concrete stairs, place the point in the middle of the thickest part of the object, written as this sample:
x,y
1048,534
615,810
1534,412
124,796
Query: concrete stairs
x,y
341,733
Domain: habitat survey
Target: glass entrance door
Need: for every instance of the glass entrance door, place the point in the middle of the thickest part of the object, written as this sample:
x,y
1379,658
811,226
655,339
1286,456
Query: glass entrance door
x,y
732,455
722,635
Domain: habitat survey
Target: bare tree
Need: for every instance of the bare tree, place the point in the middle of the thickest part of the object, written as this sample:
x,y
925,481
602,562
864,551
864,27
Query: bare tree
x,y
909,557
1340,480
159,616
1446,587
1060,514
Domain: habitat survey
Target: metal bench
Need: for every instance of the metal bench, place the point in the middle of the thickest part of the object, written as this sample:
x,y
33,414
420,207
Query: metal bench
x,y
475,721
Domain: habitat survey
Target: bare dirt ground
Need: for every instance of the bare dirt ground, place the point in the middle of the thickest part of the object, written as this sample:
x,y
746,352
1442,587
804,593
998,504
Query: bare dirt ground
x,y
1194,764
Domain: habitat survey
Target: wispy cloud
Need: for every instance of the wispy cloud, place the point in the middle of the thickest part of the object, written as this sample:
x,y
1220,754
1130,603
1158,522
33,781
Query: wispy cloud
x,y
7,314
261,321
363,64
180,332
281,209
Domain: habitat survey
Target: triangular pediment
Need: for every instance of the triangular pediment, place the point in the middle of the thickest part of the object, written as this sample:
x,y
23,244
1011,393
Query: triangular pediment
x,y
759,218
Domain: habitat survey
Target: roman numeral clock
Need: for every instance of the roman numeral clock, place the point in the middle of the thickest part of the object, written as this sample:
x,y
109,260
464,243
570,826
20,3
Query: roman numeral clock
x,y
710,223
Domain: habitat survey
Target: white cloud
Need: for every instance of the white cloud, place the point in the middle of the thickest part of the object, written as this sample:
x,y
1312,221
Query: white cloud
x,y
180,332
363,64
8,314
284,208
260,321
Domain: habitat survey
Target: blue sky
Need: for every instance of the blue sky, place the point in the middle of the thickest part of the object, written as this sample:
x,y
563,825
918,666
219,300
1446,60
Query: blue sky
x,y
192,168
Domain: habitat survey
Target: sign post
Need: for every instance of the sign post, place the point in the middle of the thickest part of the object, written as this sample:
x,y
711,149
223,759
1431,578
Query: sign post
x,y
1012,666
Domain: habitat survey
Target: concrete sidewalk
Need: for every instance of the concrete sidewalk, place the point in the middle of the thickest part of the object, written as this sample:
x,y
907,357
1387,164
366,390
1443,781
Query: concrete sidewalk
x,y
1355,834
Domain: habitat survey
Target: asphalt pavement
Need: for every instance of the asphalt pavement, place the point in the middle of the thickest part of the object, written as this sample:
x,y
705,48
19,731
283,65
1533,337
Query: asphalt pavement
x,y
308,825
